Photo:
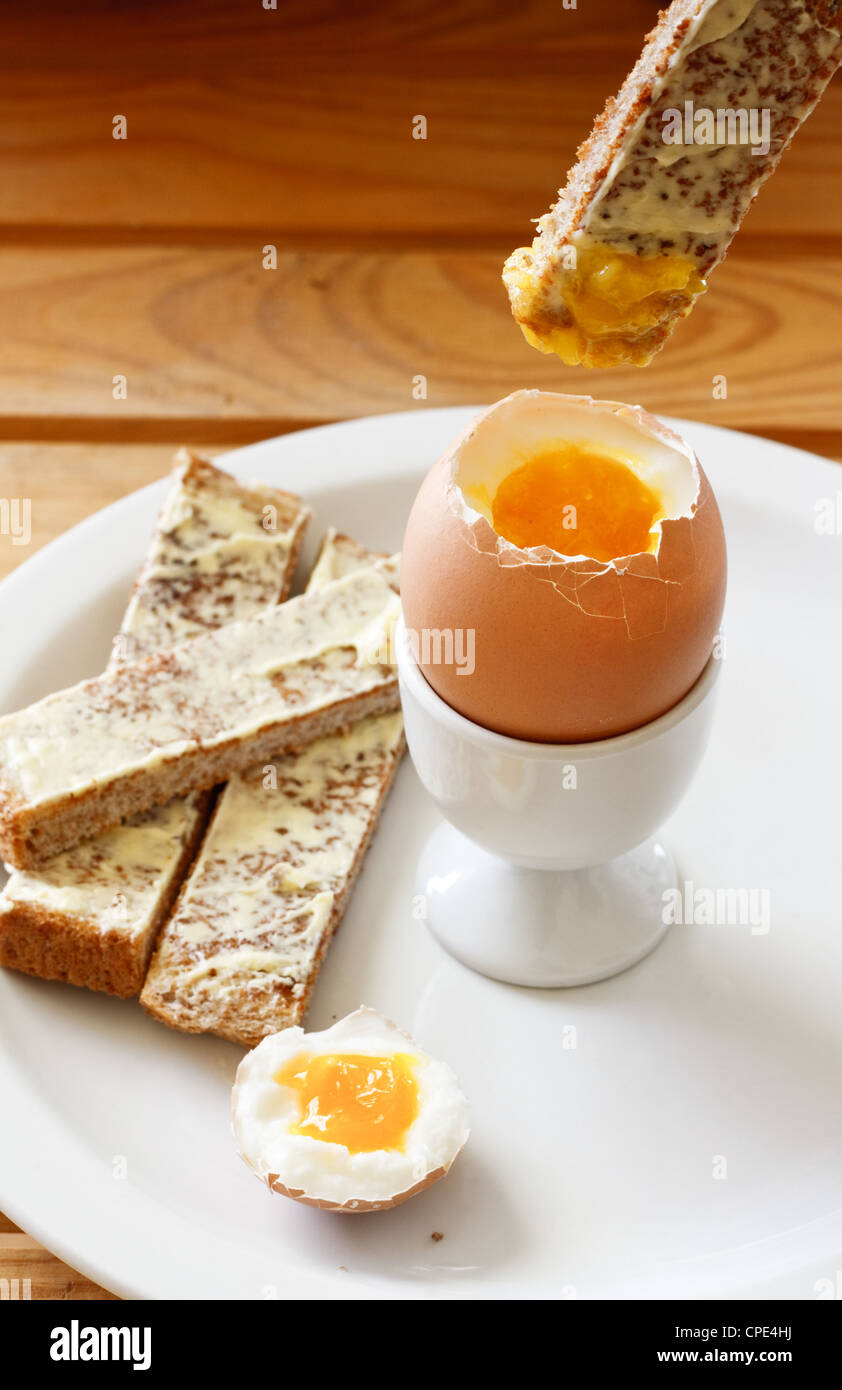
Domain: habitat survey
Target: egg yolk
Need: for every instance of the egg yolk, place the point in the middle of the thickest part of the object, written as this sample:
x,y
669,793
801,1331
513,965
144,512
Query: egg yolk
x,y
613,301
577,502
363,1102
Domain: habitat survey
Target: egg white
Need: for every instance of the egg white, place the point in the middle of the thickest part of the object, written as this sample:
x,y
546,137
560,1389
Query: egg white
x,y
328,1174
521,425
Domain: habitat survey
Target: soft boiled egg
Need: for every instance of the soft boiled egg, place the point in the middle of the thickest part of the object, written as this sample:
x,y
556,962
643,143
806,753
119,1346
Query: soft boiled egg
x,y
355,1118
563,570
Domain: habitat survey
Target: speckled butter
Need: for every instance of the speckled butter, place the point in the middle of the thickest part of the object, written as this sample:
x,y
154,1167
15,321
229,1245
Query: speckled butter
x,y
301,658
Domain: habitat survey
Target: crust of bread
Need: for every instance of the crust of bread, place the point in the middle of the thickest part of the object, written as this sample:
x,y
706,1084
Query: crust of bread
x,y
597,152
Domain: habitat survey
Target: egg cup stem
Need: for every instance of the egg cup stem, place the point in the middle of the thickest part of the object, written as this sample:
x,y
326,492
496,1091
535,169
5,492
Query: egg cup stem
x,y
538,927
545,869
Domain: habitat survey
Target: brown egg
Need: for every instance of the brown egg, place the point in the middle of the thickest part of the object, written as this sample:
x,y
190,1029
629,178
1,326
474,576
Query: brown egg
x,y
561,647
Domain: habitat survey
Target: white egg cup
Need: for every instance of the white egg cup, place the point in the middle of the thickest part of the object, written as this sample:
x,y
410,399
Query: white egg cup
x,y
546,870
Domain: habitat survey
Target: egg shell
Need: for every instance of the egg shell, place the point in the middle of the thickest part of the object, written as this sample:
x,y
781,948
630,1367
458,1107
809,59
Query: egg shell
x,y
364,1027
352,1208
567,650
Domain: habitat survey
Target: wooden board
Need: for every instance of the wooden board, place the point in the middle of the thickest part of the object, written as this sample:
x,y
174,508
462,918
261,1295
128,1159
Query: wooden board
x,y
299,122
212,343
28,1271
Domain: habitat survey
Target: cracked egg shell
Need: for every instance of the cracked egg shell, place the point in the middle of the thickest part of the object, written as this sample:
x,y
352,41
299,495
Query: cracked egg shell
x,y
268,1113
566,649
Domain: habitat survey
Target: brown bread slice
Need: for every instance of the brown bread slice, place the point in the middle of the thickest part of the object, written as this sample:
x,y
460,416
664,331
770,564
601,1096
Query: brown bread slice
x,y
241,952
91,914
185,719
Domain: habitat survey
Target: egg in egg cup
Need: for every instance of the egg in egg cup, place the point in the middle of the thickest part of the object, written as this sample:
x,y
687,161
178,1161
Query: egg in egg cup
x,y
558,740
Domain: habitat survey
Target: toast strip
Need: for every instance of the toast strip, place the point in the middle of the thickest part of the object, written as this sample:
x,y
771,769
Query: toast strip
x,y
185,719
254,919
90,915
668,173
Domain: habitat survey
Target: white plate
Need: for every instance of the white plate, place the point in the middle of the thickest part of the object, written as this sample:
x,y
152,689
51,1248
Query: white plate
x,y
591,1171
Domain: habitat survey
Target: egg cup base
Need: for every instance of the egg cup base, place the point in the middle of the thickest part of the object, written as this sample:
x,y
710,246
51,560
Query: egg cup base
x,y
543,928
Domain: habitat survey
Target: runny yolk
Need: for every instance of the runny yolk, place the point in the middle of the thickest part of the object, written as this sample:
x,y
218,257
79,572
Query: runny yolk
x,y
578,502
615,307
362,1102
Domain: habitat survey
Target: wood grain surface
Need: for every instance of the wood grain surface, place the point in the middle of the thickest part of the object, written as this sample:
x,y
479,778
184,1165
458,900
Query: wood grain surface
x,y
298,121
28,1271
208,337
250,127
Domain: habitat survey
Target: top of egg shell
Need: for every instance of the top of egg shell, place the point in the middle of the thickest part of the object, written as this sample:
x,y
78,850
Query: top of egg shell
x,y
565,649
327,1175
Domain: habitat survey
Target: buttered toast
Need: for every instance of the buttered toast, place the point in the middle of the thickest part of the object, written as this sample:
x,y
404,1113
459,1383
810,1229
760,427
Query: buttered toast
x,y
90,915
185,719
667,174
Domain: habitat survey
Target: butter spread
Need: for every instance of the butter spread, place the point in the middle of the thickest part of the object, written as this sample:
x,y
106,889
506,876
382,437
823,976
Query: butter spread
x,y
300,658
716,21
221,551
279,853
116,879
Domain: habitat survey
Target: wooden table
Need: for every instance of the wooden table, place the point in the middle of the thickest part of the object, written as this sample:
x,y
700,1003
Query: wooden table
x,y
249,128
